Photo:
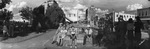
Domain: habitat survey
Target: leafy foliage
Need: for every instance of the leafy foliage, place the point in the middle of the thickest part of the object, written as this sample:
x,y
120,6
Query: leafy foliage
x,y
106,25
4,2
6,15
55,14
26,13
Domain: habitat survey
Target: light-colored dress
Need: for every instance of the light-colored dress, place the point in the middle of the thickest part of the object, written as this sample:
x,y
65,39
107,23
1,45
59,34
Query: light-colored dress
x,y
90,31
4,29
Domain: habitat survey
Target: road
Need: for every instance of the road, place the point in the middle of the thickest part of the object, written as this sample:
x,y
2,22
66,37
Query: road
x,y
40,42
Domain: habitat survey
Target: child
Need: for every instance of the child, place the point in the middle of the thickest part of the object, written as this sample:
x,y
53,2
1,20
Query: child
x,y
73,37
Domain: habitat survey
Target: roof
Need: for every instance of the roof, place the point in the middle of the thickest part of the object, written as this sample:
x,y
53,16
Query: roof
x,y
144,8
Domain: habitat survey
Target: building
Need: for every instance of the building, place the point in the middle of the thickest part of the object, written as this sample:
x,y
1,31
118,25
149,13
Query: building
x,y
144,13
74,13
90,13
132,12
126,17
94,12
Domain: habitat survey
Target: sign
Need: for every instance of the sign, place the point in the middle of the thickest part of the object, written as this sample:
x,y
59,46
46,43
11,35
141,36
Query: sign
x,y
144,35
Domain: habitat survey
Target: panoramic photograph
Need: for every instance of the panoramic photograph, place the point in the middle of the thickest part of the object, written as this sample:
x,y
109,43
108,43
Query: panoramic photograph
x,y
74,24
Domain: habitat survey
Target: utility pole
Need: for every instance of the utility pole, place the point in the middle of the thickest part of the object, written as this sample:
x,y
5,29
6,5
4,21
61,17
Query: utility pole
x,y
113,17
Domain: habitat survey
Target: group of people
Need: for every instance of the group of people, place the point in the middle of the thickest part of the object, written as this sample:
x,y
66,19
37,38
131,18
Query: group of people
x,y
72,34
129,31
125,31
64,32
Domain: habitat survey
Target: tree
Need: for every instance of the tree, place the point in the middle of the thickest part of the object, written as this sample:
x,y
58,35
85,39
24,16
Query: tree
x,y
105,25
26,13
4,2
55,14
6,15
39,18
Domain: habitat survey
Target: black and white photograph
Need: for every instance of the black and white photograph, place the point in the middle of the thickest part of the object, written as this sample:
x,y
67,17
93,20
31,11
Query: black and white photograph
x,y
74,24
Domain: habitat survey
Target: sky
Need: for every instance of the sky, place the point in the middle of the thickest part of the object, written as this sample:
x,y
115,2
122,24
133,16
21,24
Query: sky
x,y
118,5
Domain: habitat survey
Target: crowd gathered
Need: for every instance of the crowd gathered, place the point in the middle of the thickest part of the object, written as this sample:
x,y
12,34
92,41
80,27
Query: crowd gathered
x,y
124,31
73,33
129,31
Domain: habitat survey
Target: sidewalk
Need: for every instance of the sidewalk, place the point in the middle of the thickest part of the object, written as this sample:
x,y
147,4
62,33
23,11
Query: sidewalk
x,y
33,42
21,39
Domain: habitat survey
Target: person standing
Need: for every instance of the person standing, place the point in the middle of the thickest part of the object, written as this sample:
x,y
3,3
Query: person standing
x,y
73,37
63,32
57,34
93,33
138,26
121,31
5,29
86,35
130,29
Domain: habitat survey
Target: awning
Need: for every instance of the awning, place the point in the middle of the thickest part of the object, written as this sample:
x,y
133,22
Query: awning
x,y
145,18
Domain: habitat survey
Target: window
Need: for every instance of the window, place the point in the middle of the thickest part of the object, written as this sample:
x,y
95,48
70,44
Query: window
x,y
142,13
146,13
139,14
117,15
69,15
79,17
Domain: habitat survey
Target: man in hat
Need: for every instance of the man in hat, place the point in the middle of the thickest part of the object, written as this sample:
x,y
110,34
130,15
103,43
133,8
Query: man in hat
x,y
138,27
121,30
